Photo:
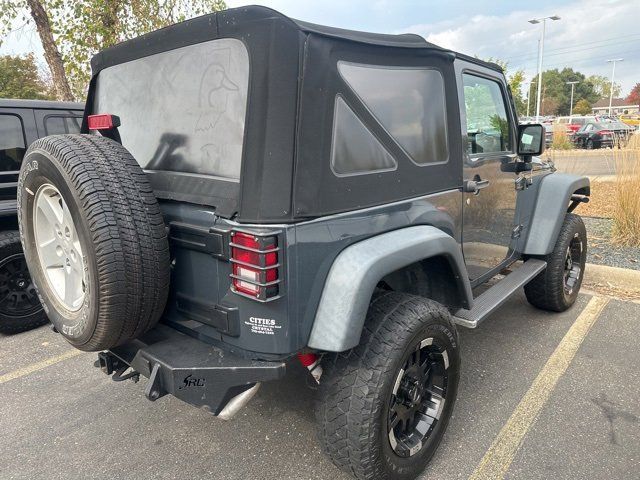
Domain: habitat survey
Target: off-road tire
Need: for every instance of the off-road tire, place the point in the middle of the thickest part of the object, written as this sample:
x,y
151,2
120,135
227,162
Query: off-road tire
x,y
120,230
547,290
23,313
355,388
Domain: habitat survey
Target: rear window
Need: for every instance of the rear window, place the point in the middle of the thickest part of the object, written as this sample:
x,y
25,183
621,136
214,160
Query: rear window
x,y
182,110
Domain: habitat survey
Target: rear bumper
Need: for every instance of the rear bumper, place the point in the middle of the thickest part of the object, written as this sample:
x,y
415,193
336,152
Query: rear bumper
x,y
191,370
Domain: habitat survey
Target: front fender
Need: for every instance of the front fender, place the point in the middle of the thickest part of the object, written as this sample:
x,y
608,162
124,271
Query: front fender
x,y
554,194
357,270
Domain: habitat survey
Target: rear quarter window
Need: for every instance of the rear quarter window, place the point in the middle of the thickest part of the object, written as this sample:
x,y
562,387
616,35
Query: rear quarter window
x,y
408,102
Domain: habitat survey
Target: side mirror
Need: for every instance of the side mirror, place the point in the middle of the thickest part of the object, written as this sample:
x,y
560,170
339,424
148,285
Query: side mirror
x,y
531,140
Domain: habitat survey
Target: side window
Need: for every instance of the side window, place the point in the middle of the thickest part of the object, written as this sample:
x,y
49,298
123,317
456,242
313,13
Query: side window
x,y
488,128
408,102
59,124
354,149
12,144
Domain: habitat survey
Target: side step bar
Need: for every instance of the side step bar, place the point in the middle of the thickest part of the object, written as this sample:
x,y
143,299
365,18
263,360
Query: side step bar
x,y
490,300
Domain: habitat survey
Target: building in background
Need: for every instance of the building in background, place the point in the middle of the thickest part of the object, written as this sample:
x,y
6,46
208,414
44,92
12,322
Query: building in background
x,y
618,106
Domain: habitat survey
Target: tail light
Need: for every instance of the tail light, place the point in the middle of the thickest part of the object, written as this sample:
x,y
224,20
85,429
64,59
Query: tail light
x,y
604,132
255,266
103,121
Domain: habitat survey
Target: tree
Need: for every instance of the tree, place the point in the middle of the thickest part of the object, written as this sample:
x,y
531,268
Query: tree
x,y
72,32
602,86
634,96
515,81
9,9
19,78
582,107
556,93
549,105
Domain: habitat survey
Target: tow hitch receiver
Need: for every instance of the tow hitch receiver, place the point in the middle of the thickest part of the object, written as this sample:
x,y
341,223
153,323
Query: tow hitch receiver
x,y
191,370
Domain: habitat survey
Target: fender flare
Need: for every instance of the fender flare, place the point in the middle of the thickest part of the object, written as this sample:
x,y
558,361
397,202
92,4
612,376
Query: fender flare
x,y
358,268
554,194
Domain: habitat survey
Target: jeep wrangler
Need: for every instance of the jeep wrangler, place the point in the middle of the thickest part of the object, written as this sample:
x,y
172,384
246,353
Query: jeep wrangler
x,y
249,189
22,122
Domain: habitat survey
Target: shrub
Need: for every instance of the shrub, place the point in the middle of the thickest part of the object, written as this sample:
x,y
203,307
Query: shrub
x,y
626,214
561,140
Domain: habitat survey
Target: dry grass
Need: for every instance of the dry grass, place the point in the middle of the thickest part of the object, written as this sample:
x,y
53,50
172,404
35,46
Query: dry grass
x,y
600,203
626,196
561,139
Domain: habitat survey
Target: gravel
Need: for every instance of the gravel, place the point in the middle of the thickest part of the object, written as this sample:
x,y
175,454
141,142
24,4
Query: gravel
x,y
602,252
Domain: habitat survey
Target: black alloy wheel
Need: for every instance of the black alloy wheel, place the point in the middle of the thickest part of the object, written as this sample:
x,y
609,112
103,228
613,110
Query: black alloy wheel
x,y
572,264
18,297
417,399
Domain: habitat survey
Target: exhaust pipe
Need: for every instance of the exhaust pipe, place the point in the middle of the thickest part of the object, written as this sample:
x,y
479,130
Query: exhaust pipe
x,y
236,403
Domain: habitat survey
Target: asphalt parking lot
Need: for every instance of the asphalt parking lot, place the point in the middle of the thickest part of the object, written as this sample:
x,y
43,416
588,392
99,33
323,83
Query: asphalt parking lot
x,y
62,418
593,163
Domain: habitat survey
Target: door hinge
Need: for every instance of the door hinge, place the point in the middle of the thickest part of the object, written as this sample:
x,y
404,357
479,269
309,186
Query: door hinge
x,y
522,183
517,231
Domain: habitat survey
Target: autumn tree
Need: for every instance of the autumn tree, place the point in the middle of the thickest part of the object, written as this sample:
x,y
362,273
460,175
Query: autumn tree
x,y
582,107
602,86
19,78
72,32
634,96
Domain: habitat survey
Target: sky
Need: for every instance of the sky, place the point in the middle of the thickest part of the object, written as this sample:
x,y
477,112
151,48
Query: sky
x,y
588,33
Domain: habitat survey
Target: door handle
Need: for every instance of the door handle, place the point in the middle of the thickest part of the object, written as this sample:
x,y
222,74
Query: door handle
x,y
474,186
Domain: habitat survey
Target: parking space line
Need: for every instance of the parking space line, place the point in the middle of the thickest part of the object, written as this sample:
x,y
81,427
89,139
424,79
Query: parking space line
x,y
498,458
21,372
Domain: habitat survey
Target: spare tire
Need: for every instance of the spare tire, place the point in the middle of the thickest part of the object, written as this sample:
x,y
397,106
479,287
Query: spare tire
x,y
94,239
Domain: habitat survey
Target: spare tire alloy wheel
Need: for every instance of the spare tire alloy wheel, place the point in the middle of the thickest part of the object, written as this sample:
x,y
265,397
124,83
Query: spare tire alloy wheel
x,y
58,247
94,239
20,308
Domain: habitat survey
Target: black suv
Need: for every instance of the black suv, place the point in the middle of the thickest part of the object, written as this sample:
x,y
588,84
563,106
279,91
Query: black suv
x,y
21,123
250,190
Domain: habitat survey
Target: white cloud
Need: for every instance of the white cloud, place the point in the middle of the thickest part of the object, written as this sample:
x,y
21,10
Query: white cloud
x,y
588,33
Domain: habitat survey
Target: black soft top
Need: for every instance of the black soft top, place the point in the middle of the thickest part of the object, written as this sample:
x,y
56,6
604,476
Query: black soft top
x,y
247,18
293,86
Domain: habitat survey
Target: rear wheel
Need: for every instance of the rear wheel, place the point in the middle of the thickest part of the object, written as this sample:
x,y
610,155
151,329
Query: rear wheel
x,y
384,406
94,239
20,308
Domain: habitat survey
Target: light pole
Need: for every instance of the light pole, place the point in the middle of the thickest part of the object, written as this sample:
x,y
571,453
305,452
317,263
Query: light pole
x,y
544,27
528,97
613,73
573,84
